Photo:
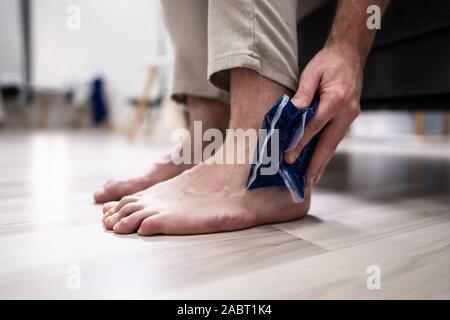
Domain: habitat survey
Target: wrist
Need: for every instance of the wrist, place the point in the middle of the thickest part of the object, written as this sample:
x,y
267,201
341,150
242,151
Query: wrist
x,y
349,49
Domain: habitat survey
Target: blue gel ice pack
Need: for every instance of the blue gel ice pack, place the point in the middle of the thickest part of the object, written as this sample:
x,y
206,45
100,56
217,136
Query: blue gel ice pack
x,y
284,125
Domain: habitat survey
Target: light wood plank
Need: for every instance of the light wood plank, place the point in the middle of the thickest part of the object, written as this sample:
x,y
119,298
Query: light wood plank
x,y
381,202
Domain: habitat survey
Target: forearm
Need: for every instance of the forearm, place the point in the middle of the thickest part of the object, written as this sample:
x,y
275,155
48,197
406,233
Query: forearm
x,y
349,30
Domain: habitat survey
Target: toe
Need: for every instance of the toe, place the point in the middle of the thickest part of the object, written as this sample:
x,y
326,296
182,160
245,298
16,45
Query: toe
x,y
108,214
102,196
128,209
109,205
152,225
109,192
110,221
124,201
125,211
132,222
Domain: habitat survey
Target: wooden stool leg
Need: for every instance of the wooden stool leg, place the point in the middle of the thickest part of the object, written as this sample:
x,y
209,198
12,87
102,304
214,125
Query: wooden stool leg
x,y
44,110
139,113
420,123
446,123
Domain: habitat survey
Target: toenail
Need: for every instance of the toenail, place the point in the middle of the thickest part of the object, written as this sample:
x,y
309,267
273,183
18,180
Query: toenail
x,y
289,158
98,193
109,220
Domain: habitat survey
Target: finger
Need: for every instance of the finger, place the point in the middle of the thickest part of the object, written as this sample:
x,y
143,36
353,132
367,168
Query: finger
x,y
309,82
330,138
326,110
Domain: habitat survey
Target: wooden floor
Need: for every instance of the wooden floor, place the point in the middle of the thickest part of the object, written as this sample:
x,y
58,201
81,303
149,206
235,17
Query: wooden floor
x,y
384,203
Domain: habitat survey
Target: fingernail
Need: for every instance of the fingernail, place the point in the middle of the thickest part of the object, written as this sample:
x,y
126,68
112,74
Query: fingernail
x,y
299,103
111,220
289,158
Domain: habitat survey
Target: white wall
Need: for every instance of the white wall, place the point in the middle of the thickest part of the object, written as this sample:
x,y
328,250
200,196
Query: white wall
x,y
387,123
114,38
380,123
10,39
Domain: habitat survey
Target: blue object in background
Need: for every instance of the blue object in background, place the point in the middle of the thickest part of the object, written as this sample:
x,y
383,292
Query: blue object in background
x,y
290,123
98,102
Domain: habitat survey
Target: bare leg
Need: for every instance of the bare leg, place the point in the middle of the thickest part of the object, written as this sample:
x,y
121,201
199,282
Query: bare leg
x,y
212,197
212,113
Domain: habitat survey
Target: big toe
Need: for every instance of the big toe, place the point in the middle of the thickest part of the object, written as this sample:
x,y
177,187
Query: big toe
x,y
107,193
102,196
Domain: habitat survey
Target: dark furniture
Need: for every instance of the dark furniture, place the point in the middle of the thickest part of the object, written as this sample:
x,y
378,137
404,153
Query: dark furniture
x,y
409,66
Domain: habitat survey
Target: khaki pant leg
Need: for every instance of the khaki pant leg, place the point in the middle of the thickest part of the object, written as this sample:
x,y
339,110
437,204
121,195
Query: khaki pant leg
x,y
187,23
257,34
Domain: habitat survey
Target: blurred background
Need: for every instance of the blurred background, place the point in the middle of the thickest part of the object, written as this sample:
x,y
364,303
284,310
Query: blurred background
x,y
86,65
84,90
83,65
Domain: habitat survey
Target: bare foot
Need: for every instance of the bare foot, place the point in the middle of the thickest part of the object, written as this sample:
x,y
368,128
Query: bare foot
x,y
207,198
116,189
212,197
212,113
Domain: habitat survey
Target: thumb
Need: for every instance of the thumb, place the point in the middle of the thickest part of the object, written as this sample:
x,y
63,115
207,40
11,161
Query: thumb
x,y
309,81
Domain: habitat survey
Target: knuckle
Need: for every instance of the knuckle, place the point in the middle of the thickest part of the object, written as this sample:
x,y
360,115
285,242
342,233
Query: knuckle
x,y
339,96
354,109
315,125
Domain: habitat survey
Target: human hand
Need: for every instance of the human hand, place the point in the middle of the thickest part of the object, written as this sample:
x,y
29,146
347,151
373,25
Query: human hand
x,y
335,73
